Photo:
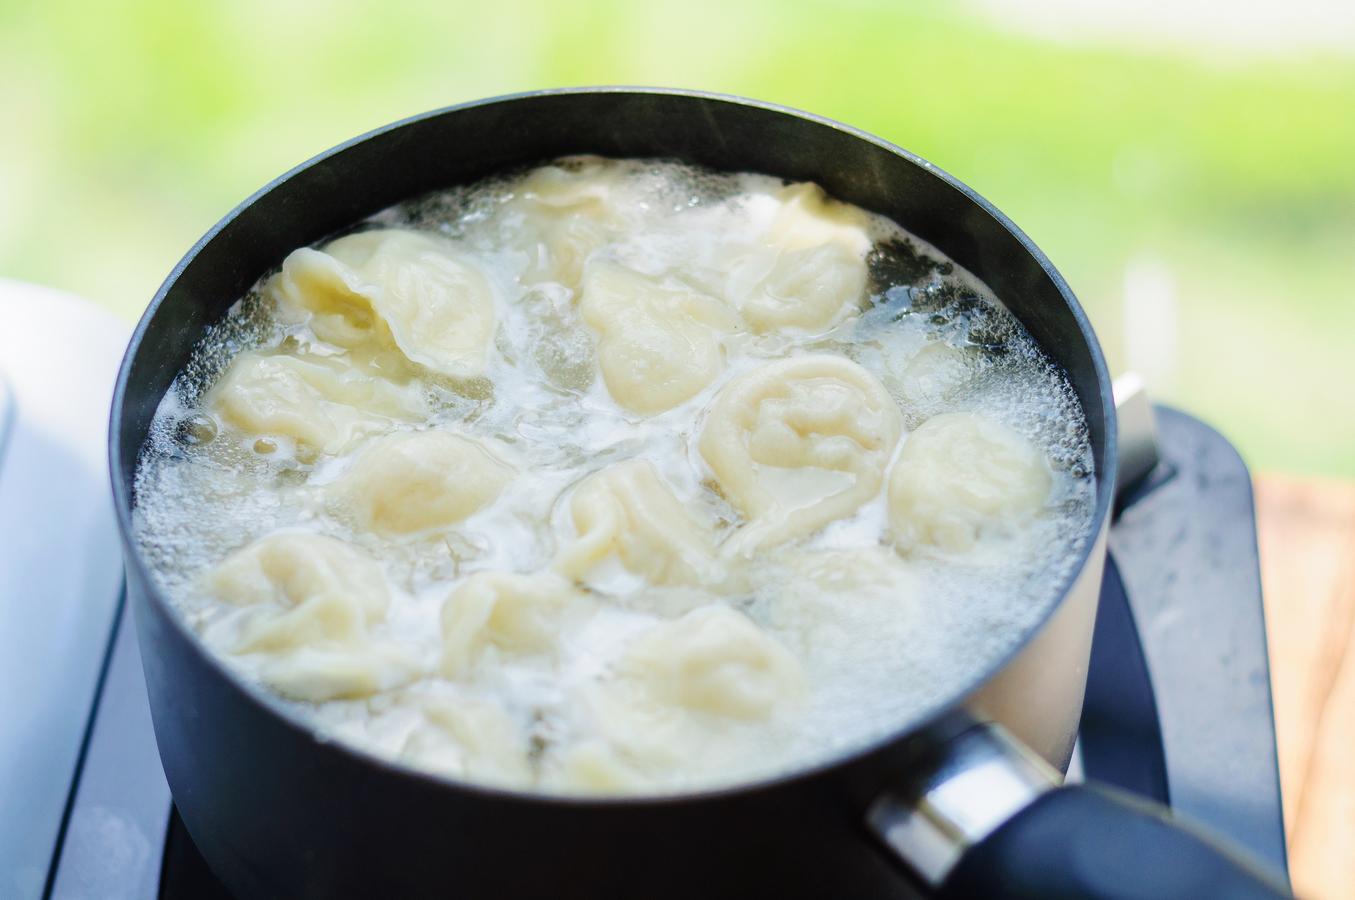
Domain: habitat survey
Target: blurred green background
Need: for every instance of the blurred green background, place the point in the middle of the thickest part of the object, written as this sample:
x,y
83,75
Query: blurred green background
x,y
1198,195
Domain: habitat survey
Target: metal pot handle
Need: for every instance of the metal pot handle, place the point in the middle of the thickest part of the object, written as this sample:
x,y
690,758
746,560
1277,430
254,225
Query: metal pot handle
x,y
990,819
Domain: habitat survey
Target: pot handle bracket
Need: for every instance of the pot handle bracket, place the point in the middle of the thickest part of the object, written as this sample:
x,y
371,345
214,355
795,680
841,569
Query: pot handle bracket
x,y
990,819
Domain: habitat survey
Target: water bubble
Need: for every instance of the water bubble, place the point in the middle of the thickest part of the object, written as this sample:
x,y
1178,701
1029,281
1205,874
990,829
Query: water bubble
x,y
197,429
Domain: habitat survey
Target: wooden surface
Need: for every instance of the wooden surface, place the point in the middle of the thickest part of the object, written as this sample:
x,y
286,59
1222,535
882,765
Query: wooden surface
x,y
1306,530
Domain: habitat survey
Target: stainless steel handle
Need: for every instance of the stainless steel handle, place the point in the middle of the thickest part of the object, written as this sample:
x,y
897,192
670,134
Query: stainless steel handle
x,y
985,778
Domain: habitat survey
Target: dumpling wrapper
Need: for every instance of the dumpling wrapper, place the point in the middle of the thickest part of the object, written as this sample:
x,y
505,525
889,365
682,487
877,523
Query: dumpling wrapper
x,y
628,512
687,690
390,286
513,613
960,477
806,269
798,443
312,603
561,214
658,346
318,402
470,738
412,482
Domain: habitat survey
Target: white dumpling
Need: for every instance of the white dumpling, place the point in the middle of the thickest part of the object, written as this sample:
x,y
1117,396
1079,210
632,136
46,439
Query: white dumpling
x,y
415,481
317,674
469,738
658,345
311,602
628,512
829,598
563,213
594,766
797,443
392,286
689,695
516,614
318,402
807,268
715,660
960,476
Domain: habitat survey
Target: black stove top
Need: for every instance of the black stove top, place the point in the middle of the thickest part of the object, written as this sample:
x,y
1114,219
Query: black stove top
x,y
1178,701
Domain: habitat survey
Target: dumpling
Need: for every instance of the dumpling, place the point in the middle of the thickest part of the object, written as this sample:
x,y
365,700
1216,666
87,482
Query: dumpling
x,y
797,443
687,696
658,345
629,513
410,482
808,268
565,213
472,739
311,603
593,766
395,287
960,476
517,614
321,403
829,598
317,674
715,660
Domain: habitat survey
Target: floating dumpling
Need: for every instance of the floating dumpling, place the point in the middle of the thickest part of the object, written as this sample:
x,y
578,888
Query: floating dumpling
x,y
595,766
828,597
311,601
469,738
960,476
715,660
410,482
658,345
569,210
685,692
808,269
374,289
797,443
318,402
629,513
517,614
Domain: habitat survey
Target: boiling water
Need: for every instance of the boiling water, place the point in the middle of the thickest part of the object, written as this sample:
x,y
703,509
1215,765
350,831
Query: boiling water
x,y
882,636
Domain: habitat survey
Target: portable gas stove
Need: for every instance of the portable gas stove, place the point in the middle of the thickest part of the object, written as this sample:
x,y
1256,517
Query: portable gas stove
x,y
1178,704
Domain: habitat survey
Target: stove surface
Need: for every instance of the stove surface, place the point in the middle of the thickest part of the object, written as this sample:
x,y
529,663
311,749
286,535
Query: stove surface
x,y
1178,701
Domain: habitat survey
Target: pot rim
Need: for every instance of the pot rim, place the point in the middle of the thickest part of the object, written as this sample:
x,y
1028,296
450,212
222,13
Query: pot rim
x,y
296,720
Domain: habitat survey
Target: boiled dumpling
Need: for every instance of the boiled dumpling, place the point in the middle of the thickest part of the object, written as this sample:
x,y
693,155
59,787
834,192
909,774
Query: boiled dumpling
x,y
797,443
685,693
410,482
960,476
629,513
830,597
311,602
469,738
808,269
594,766
715,660
392,287
517,614
658,345
565,213
321,403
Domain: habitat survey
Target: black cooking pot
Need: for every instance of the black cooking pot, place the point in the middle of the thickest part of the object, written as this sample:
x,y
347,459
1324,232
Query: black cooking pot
x,y
950,801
